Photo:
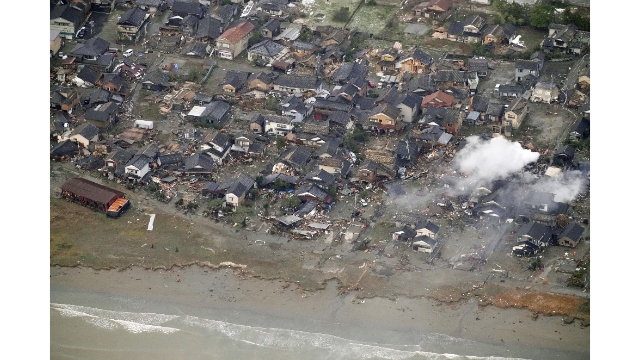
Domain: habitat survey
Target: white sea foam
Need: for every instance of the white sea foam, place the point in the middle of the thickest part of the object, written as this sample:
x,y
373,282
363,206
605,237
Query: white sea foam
x,y
285,339
340,347
108,319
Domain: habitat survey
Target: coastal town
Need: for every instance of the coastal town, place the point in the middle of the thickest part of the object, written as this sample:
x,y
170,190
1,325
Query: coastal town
x,y
366,141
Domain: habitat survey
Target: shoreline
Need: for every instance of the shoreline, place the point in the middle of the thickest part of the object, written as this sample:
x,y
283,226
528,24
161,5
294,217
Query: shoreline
x,y
275,303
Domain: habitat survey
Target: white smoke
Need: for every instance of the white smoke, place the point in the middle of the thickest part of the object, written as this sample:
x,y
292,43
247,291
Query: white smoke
x,y
565,186
485,161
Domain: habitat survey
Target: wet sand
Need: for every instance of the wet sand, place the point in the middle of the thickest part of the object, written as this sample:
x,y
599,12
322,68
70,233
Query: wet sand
x,y
226,295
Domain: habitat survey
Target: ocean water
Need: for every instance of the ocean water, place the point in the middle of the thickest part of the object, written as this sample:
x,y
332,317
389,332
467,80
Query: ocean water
x,y
82,332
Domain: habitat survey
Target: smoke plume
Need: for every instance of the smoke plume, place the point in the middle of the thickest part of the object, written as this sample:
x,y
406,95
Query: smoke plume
x,y
485,161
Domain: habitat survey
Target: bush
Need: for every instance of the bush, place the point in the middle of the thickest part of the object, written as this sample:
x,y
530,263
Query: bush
x,y
341,15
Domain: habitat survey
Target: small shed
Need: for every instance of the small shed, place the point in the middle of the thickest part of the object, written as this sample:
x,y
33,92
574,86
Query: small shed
x,y
143,124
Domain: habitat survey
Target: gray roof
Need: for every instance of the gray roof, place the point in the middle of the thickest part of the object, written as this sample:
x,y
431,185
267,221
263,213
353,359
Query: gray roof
x,y
216,110
302,45
115,79
320,175
510,88
535,230
429,226
199,161
184,8
86,130
221,139
157,77
139,161
297,81
133,17
527,64
208,27
314,190
480,65
197,49
168,159
339,117
267,47
495,109
258,119
92,47
91,190
101,112
456,28
350,70
419,55
297,156
68,13
272,25
89,75
573,231
332,105
99,96
235,78
480,103
66,147
421,83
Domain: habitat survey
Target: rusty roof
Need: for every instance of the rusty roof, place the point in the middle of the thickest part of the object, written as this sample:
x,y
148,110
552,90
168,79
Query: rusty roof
x,y
90,190
236,33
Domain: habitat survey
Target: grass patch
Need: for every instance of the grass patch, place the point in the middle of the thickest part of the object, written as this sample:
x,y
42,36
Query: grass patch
x,y
381,231
372,19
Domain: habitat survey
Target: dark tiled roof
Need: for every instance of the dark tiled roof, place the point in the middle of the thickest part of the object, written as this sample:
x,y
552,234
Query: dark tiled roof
x,y
115,79
495,109
480,103
167,159
339,117
297,81
101,112
364,103
208,27
332,105
350,70
573,231
89,75
456,28
199,161
272,25
527,64
99,96
267,47
429,226
139,161
298,156
86,130
480,65
92,47
216,110
133,17
314,190
157,77
63,148
184,8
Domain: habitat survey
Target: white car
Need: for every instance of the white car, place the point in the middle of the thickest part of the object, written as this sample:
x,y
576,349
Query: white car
x,y
363,203
127,53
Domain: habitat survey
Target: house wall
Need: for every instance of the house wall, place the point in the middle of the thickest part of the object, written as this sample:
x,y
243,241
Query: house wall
x,y
515,119
256,128
406,113
138,172
329,169
426,233
274,128
413,66
232,200
66,28
80,139
565,241
383,119
55,45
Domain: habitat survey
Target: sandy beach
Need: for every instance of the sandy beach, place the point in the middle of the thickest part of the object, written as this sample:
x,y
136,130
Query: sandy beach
x,y
227,295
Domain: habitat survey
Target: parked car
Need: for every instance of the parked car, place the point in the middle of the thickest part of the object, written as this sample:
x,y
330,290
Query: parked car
x,y
127,53
372,84
81,33
363,202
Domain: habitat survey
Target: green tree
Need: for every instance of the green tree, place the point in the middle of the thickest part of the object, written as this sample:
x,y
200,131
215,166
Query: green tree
x,y
281,185
215,204
255,38
281,142
341,15
271,103
292,202
179,203
541,15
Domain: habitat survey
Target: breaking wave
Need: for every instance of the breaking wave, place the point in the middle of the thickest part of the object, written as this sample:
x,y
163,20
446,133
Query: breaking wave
x,y
112,320
332,346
